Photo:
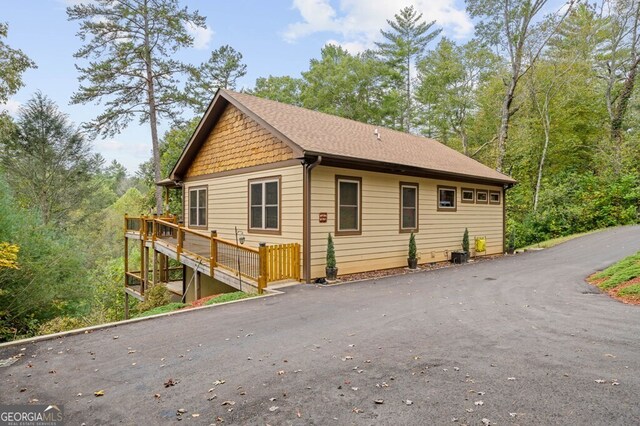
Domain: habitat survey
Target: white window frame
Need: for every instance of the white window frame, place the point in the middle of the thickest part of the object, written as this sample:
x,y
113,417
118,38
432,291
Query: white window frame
x,y
194,220
416,188
451,208
263,183
358,206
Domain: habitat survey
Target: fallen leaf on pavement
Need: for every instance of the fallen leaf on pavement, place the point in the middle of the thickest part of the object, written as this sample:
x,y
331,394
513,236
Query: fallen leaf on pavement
x,y
379,401
229,403
170,383
99,393
273,408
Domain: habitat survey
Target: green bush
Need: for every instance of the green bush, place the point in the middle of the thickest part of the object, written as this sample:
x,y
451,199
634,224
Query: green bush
x,y
156,296
331,253
60,324
465,240
413,249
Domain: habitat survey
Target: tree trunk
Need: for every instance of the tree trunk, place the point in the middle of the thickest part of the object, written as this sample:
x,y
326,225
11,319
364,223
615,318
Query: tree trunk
x,y
408,106
547,128
620,111
153,114
505,115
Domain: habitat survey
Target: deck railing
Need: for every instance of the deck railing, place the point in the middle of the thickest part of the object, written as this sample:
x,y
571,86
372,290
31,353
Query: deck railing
x,y
263,265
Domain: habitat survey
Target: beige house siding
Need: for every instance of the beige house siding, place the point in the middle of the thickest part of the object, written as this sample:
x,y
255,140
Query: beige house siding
x,y
228,205
381,244
237,142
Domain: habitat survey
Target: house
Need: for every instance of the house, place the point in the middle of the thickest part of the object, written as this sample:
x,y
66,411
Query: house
x,y
287,177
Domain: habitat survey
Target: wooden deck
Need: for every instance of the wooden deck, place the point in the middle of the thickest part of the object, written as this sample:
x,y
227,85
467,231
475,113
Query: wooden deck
x,y
241,267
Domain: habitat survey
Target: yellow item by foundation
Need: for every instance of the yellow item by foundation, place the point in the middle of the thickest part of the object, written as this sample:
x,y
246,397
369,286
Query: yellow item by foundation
x,y
481,244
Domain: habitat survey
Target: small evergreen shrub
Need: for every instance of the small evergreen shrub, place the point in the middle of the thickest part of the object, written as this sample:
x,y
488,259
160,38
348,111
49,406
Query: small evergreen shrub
x,y
413,250
465,241
331,253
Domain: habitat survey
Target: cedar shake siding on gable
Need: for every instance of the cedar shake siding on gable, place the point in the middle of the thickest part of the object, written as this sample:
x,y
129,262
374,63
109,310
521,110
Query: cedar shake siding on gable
x,y
237,142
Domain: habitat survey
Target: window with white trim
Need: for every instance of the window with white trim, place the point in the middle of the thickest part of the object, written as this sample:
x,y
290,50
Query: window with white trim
x,y
446,198
198,206
348,205
264,205
408,207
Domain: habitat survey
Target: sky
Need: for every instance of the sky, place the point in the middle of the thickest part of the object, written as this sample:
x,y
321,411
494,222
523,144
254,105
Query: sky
x,y
275,37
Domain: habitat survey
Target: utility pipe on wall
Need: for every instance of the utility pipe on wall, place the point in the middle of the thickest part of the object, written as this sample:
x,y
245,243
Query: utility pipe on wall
x,y
306,238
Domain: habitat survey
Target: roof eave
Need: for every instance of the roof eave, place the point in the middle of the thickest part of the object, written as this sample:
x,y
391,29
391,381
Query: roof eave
x,y
359,163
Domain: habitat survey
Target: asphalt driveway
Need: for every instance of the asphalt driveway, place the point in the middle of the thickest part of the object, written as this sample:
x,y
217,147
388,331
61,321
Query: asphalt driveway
x,y
519,340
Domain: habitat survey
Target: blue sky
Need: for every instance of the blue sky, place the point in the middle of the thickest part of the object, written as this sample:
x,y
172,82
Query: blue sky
x,y
276,37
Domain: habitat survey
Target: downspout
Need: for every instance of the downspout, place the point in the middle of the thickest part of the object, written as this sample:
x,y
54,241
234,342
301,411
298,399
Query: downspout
x,y
306,237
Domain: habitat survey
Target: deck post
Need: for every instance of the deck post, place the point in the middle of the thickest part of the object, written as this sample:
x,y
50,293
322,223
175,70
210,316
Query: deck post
x,y
180,242
156,268
145,270
196,290
126,305
126,259
262,277
213,251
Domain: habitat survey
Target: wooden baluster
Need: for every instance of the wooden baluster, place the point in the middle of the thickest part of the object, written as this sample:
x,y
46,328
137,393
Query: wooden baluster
x,y
262,259
213,251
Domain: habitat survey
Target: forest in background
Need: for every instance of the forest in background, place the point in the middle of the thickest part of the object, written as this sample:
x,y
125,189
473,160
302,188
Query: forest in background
x,y
549,100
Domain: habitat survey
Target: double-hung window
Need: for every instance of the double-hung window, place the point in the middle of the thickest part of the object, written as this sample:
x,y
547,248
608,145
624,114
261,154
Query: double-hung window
x,y
198,206
348,205
264,205
408,207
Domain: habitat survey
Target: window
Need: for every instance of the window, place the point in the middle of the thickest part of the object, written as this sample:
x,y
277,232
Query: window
x,y
408,207
264,205
446,199
349,199
468,195
494,197
482,196
198,206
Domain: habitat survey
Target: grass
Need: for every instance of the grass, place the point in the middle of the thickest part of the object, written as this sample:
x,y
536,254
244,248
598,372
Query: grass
x,y
616,279
619,273
555,241
161,309
228,297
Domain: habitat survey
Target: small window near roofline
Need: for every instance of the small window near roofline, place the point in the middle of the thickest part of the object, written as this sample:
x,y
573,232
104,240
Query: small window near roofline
x,y
447,199
482,196
468,195
494,197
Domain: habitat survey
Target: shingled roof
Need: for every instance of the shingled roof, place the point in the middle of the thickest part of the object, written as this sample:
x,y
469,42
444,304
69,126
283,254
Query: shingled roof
x,y
313,133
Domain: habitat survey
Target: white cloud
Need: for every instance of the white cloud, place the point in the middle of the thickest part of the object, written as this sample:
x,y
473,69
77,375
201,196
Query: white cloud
x,y
358,22
12,107
129,154
201,36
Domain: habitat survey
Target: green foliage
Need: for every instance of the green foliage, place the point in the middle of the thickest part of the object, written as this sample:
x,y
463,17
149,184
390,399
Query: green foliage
x,y
620,272
52,277
170,307
574,203
465,240
60,324
48,161
13,63
406,40
228,297
413,249
221,71
632,290
156,296
350,86
282,89
331,253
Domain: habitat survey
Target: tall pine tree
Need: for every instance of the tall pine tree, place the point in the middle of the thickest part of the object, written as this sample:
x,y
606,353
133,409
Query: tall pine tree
x,y
132,72
406,42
